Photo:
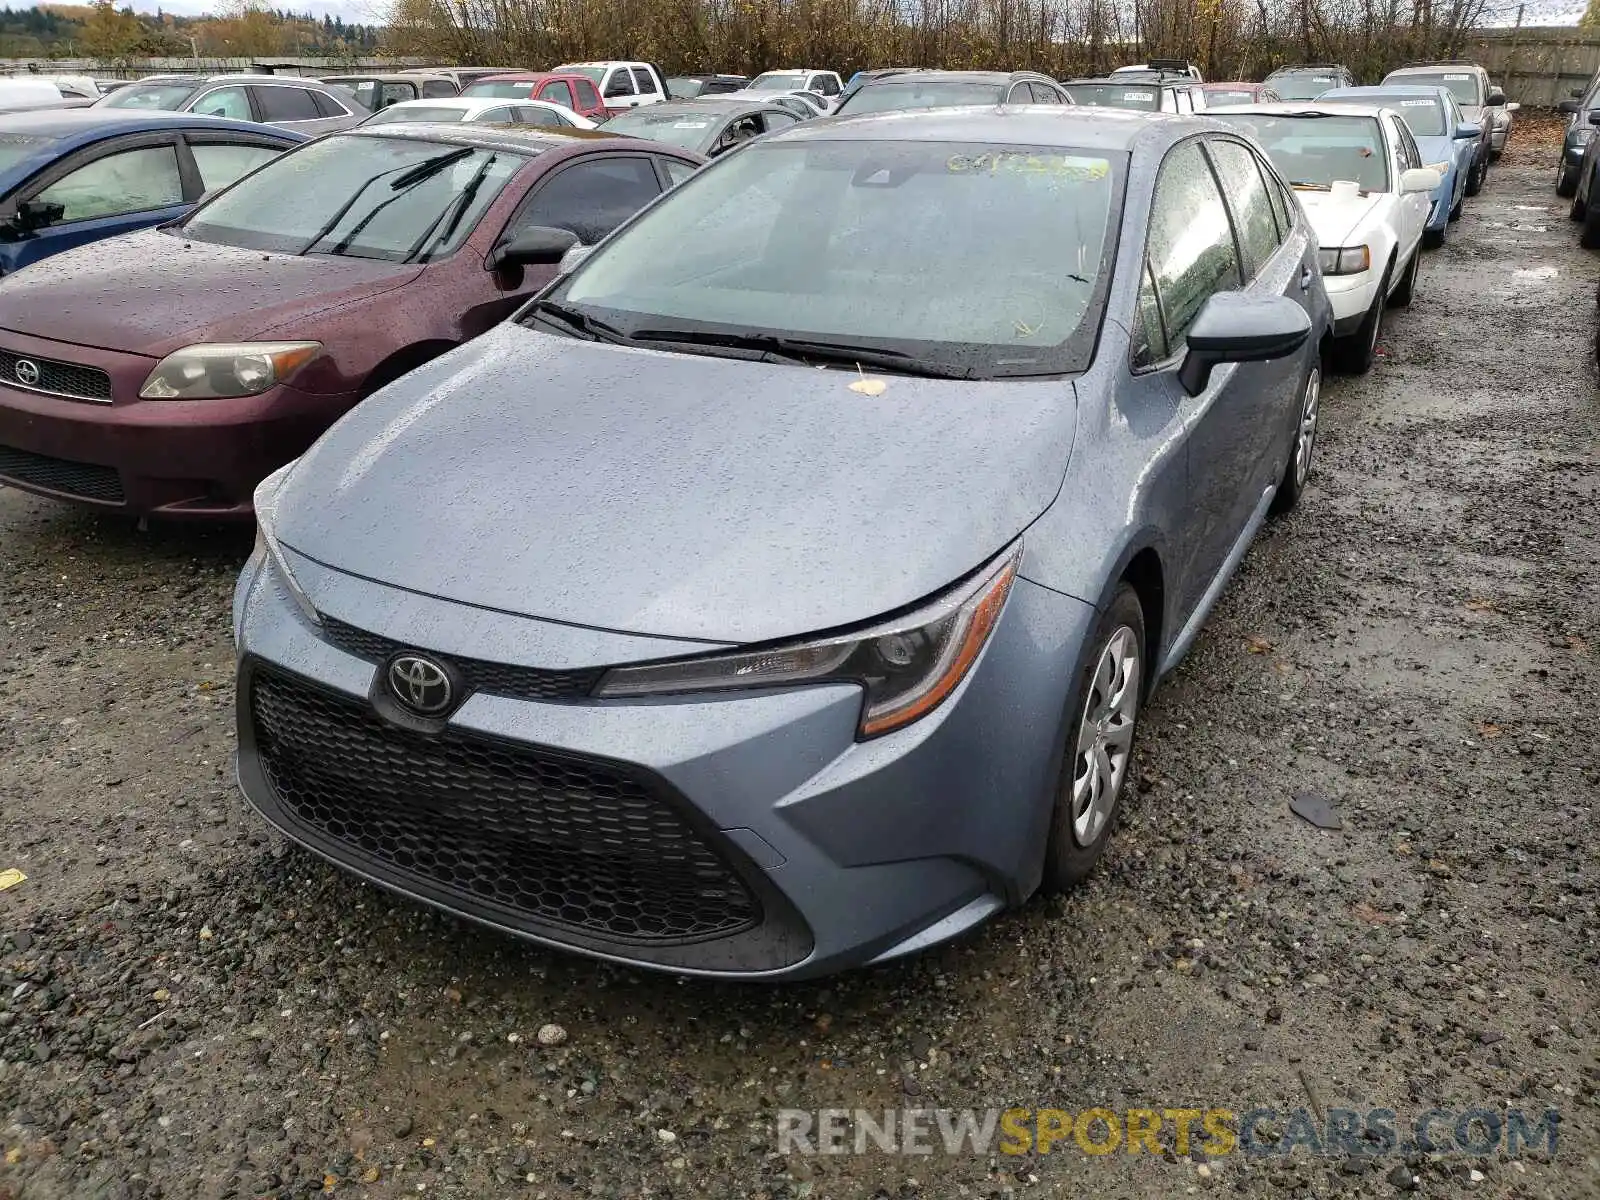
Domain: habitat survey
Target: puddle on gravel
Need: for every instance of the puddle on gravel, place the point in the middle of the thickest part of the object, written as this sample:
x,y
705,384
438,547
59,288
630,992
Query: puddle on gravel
x,y
1543,274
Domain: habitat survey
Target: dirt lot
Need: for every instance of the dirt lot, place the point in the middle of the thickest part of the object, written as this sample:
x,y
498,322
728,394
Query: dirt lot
x,y
189,1009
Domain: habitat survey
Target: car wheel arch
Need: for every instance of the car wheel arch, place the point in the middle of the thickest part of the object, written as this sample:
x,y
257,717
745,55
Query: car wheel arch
x,y
407,358
1146,575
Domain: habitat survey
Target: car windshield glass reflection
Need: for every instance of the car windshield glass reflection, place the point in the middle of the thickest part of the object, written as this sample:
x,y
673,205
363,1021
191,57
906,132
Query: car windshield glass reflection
x,y
1463,86
1302,87
1318,151
938,257
1115,95
365,197
397,114
897,97
686,129
503,90
163,96
1424,117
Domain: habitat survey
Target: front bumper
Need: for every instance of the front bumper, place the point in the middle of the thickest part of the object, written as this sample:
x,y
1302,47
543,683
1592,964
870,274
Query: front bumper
x,y
1351,297
173,458
834,853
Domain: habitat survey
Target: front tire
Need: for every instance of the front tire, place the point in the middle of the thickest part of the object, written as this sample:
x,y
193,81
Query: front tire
x,y
1566,180
1589,235
1407,287
1354,355
1099,753
1480,170
1298,470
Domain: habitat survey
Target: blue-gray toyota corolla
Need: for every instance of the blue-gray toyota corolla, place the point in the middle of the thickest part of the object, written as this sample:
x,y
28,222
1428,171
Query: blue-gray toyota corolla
x,y
779,591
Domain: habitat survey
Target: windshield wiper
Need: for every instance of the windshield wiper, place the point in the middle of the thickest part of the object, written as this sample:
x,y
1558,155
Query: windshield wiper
x,y
575,318
805,350
462,202
1306,183
408,176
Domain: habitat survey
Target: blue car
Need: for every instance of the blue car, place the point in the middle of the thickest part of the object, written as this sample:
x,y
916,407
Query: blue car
x,y
1445,139
72,176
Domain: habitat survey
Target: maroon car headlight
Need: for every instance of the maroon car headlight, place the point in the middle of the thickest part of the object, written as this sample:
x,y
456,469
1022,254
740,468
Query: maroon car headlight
x,y
215,370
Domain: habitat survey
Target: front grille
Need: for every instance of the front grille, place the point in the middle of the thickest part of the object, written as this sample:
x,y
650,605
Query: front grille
x,y
540,837
57,378
497,679
59,475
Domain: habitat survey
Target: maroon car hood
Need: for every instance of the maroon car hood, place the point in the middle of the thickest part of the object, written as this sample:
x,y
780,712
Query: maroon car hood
x,y
152,293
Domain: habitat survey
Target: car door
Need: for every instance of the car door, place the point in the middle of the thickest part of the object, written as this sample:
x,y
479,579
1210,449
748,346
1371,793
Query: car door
x,y
1411,211
590,196
113,187
644,80
1190,255
1276,257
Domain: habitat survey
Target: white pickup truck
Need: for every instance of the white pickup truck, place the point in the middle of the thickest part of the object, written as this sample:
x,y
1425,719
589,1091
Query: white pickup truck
x,y
623,85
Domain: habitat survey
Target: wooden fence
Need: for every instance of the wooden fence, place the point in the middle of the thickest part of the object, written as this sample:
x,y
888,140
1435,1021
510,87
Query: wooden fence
x,y
1538,67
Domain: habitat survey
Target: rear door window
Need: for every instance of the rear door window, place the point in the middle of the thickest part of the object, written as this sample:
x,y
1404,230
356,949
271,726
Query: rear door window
x,y
645,81
284,103
533,114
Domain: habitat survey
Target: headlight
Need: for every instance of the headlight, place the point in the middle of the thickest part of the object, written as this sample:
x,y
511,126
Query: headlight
x,y
266,506
907,666
1345,260
213,370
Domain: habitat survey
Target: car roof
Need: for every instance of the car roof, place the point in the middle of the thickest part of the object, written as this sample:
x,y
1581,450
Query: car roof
x,y
1431,90
1307,69
384,76
1066,126
1438,68
527,77
1168,79
520,139
1306,108
67,122
919,75
727,104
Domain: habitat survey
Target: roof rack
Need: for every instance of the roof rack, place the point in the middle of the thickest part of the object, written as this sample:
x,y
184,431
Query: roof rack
x,y
1169,64
1310,67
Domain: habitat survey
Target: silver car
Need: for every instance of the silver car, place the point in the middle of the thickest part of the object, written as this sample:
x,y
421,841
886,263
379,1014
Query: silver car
x,y
780,590
289,101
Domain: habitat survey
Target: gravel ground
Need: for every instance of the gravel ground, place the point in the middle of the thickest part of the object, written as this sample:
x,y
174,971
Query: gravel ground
x,y
190,1009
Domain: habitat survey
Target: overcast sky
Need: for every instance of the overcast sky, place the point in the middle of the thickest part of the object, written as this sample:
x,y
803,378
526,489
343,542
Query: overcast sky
x,y
365,12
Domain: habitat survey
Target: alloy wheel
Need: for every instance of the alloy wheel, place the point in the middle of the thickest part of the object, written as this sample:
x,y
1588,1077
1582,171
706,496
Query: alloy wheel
x,y
1105,735
1306,440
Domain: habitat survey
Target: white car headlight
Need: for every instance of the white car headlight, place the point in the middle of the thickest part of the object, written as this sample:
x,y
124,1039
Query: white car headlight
x,y
216,370
1345,260
266,506
907,666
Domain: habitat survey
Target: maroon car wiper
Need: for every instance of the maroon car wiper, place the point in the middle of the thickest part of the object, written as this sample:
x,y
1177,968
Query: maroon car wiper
x,y
409,176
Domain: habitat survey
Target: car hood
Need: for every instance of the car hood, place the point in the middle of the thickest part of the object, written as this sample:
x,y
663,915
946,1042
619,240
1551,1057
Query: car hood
x,y
674,495
1335,216
152,292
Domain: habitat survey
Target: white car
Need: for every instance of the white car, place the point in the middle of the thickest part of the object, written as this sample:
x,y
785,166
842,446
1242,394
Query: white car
x,y
1361,180
798,79
622,84
481,110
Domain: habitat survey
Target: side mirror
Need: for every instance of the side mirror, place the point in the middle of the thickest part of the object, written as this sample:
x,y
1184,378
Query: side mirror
x,y
1567,106
1496,97
1418,179
1234,327
1468,129
538,245
1594,116
33,215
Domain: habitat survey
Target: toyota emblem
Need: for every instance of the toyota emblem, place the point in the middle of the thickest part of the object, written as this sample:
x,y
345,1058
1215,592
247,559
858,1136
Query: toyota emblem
x,y
27,372
421,685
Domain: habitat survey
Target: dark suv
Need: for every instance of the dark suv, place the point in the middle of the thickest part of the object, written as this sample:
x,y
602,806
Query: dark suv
x,y
1307,81
1147,91
1582,113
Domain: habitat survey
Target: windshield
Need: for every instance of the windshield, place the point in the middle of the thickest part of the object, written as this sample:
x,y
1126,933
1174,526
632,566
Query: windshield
x,y
1303,85
967,259
1423,115
898,97
597,74
1463,85
1315,152
389,198
1114,95
150,95
778,81
397,113
504,89
686,129
15,147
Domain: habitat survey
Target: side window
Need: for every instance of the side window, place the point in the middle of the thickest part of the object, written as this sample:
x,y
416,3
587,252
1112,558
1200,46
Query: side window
x,y
1282,206
557,93
532,114
1149,335
1043,94
827,83
127,182
221,163
1409,143
1168,104
283,103
619,83
677,170
1190,247
393,93
435,89
778,120
1247,195
644,81
225,102
495,116
592,197
327,106
1197,97
587,96
1185,101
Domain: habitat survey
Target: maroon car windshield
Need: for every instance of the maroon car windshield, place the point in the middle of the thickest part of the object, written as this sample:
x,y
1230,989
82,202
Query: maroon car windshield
x,y
392,198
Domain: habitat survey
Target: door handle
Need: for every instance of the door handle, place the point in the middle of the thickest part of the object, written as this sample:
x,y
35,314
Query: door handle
x,y
1305,278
